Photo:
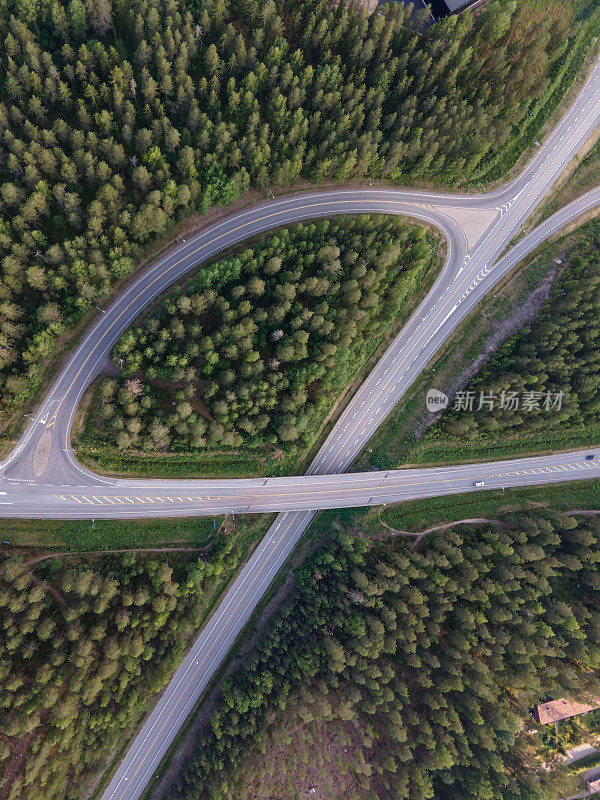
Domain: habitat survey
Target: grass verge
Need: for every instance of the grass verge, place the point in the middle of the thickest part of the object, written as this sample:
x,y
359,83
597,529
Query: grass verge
x,y
212,464
583,764
415,516
108,534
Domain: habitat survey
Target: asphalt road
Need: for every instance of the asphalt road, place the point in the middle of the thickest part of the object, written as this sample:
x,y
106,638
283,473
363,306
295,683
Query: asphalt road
x,y
43,454
41,477
66,490
196,670
303,493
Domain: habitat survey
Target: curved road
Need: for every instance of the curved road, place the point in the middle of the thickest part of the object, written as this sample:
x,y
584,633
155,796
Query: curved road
x,y
41,478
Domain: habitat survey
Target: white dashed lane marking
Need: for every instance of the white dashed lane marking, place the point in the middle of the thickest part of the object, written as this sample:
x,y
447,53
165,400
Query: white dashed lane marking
x,y
112,500
125,499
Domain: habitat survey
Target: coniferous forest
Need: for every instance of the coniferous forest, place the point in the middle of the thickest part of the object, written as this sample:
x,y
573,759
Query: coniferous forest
x,y
117,119
408,673
399,672
85,645
255,349
555,355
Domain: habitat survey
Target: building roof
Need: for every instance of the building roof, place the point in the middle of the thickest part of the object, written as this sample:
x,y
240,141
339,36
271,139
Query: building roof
x,y
440,8
555,710
367,5
454,5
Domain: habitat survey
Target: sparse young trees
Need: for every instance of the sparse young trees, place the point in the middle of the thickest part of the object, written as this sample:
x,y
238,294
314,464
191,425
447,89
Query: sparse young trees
x,y
546,377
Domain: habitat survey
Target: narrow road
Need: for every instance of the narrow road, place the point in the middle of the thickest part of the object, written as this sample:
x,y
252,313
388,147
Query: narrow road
x,y
42,479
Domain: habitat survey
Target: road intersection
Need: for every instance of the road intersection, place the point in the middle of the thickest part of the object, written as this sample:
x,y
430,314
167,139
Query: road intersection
x,y
41,477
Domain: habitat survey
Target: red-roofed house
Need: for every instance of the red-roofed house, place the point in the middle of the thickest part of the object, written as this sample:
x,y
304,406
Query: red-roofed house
x,y
555,710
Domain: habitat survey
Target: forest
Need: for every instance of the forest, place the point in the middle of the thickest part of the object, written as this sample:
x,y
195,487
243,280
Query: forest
x,y
86,641
253,351
558,353
408,672
119,119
